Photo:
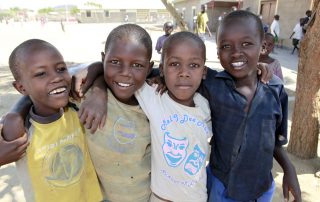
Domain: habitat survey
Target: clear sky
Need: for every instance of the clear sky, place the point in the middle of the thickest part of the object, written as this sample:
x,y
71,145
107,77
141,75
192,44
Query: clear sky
x,y
36,4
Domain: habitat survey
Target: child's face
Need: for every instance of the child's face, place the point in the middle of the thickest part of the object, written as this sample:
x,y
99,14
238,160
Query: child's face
x,y
239,46
126,66
45,78
183,69
268,45
168,29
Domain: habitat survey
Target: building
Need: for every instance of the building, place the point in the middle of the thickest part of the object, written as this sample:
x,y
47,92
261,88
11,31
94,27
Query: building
x,y
138,11
290,12
189,10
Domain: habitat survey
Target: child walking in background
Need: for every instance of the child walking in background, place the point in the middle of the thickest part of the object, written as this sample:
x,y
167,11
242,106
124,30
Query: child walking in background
x,y
249,118
179,122
167,28
297,34
267,47
57,165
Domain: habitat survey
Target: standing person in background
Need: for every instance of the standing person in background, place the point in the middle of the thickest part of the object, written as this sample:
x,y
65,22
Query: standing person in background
x,y
202,23
275,28
167,28
306,20
297,34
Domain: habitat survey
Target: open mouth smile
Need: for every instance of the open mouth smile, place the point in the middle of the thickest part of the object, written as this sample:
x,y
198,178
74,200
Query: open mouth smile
x,y
57,91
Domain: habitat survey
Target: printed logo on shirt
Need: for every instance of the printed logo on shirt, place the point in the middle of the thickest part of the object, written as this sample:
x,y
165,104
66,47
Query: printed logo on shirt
x,y
174,150
194,161
63,165
124,131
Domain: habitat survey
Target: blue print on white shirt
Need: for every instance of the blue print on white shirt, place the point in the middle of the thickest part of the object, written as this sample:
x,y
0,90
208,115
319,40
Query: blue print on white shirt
x,y
195,161
174,150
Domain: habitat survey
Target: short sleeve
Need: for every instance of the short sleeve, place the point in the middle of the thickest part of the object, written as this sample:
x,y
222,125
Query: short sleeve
x,y
282,126
146,97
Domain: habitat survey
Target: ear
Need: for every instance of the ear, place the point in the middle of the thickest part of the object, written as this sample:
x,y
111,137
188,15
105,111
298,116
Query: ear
x,y
150,67
204,74
19,87
102,56
161,69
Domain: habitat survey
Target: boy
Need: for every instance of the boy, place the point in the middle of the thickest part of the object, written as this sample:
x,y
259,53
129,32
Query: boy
x,y
57,165
167,28
249,119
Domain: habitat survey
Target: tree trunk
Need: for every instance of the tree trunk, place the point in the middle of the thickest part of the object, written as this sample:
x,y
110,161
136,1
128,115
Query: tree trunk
x,y
306,115
180,22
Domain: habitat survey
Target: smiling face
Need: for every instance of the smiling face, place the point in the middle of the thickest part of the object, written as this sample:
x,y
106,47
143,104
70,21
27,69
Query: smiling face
x,y
168,28
183,69
268,45
239,44
126,66
45,78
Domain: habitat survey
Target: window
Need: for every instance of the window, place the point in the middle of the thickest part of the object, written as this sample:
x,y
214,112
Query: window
x,y
106,13
88,14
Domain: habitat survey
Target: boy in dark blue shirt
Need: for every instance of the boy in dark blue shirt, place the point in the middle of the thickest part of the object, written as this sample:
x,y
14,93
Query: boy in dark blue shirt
x,y
249,119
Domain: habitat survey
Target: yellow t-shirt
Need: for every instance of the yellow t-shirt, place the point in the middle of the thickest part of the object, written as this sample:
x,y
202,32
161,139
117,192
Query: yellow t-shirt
x,y
57,165
202,21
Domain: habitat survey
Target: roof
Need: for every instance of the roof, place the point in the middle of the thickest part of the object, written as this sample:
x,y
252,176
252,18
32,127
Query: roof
x,y
125,4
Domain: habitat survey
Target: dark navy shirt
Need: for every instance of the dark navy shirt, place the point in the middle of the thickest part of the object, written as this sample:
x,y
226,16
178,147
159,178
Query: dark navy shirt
x,y
243,142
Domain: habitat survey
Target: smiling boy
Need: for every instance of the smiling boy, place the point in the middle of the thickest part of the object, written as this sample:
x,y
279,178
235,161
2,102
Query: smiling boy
x,y
57,165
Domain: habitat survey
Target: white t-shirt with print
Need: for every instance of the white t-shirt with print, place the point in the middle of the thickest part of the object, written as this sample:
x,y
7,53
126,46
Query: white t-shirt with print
x,y
179,145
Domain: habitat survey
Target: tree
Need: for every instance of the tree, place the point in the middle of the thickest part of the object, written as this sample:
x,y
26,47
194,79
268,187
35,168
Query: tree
x,y
306,114
180,22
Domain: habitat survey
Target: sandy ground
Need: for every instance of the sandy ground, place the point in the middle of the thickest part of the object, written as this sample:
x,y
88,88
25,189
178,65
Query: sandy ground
x,y
83,43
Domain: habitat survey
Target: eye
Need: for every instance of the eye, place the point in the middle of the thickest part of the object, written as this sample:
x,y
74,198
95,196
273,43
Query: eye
x,y
194,65
62,69
174,64
137,65
225,46
40,74
245,44
115,62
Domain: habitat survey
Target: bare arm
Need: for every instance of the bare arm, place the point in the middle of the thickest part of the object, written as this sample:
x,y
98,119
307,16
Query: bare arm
x,y
290,181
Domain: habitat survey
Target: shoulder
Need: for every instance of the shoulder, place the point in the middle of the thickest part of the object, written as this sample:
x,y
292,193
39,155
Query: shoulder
x,y
276,82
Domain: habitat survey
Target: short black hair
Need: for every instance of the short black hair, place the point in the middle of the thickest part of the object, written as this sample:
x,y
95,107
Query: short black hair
x,y
130,31
235,16
269,35
25,47
181,37
277,17
308,12
168,24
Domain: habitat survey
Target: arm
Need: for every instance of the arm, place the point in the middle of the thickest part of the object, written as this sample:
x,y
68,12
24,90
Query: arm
x,y
290,181
13,122
291,35
158,48
84,78
208,30
93,110
14,150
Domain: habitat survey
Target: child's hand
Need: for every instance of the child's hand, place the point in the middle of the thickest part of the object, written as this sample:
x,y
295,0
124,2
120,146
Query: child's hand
x,y
158,80
265,72
290,183
14,150
79,85
93,110
13,127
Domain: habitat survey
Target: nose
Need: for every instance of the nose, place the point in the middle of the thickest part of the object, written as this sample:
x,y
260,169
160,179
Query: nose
x,y
56,77
236,51
126,69
184,71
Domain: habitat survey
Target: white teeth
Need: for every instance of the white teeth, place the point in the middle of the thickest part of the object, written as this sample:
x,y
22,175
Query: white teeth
x,y
124,84
58,90
237,64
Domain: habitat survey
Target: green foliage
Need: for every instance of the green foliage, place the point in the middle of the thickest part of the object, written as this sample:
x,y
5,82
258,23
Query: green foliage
x,y
93,4
74,11
45,10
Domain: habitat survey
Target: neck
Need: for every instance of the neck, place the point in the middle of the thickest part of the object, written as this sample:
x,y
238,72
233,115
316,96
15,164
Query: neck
x,y
248,81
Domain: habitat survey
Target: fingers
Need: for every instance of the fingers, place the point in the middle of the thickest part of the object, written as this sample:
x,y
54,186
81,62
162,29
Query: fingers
x,y
82,115
103,121
285,190
95,124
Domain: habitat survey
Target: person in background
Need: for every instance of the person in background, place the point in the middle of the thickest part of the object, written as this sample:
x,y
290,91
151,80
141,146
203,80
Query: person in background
x,y
275,29
167,28
202,23
267,47
297,34
306,20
